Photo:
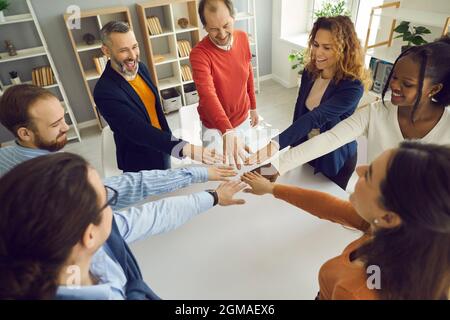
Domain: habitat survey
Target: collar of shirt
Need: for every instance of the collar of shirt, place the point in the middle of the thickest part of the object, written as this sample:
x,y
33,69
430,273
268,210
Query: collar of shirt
x,y
26,150
227,47
112,280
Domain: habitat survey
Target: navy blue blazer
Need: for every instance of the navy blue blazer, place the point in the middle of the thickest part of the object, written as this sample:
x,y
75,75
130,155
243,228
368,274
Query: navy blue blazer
x,y
139,146
338,102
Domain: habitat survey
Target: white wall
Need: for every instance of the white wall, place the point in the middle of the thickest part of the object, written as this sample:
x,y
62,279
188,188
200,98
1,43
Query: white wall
x,y
281,67
294,10
438,6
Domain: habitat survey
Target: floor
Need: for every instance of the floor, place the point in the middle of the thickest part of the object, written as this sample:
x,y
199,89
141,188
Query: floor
x,y
275,104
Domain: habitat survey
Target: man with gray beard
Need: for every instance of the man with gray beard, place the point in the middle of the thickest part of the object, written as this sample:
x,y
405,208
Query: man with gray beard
x,y
129,101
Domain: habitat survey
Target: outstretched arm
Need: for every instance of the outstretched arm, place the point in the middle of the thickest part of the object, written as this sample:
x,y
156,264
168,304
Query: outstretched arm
x,y
135,187
320,204
168,214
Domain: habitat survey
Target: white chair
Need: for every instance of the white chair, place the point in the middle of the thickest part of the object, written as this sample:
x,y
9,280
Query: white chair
x,y
191,126
109,160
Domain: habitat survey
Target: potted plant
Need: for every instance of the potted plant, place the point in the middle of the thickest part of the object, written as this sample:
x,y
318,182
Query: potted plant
x,y
411,34
4,4
298,60
332,8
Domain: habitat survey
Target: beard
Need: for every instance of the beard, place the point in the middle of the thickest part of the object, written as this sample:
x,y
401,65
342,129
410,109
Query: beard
x,y
52,146
122,68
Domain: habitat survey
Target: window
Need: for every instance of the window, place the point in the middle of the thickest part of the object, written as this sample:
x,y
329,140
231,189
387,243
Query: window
x,y
297,18
351,5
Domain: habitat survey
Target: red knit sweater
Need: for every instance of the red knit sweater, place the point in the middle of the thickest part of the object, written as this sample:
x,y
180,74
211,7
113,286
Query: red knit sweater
x,y
224,81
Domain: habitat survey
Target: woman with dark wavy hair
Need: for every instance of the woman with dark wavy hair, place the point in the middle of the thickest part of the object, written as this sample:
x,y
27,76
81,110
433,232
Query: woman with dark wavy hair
x,y
401,203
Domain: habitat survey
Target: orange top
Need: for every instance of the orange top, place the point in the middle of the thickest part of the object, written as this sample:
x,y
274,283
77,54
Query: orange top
x,y
339,278
148,98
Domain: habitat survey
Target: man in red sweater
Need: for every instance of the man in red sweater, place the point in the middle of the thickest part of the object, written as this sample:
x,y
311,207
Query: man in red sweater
x,y
223,75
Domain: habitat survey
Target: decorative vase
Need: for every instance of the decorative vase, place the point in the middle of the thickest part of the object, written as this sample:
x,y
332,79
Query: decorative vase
x,y
2,16
16,80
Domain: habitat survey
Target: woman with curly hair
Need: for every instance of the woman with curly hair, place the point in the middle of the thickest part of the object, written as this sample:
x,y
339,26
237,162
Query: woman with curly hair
x,y
332,84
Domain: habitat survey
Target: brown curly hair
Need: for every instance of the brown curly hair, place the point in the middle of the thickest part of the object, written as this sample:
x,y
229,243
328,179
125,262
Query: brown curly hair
x,y
347,48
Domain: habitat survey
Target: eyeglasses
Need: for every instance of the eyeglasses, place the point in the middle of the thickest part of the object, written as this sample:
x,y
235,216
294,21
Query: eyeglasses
x,y
112,196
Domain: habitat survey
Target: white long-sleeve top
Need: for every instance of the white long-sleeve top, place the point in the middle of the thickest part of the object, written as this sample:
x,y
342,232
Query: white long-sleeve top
x,y
377,122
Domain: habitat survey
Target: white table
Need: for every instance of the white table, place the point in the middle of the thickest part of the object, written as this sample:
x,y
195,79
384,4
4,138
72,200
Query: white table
x,y
265,249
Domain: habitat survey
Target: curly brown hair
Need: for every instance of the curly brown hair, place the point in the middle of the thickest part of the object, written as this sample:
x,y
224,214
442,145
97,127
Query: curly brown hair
x,y
347,48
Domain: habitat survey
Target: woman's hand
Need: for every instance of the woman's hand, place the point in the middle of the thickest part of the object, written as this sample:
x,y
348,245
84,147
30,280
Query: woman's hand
x,y
222,173
259,185
268,171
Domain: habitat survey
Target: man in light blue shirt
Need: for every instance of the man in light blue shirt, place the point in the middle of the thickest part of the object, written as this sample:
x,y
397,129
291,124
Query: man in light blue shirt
x,y
74,237
35,116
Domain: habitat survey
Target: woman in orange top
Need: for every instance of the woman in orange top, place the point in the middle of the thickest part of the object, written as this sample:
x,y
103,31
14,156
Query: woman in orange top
x,y
401,203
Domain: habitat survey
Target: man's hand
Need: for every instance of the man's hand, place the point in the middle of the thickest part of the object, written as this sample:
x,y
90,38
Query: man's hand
x,y
222,173
201,154
265,153
254,118
259,185
268,171
234,149
226,192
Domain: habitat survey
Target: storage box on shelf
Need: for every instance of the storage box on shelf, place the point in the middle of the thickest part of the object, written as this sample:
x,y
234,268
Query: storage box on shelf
x,y
171,30
89,56
34,64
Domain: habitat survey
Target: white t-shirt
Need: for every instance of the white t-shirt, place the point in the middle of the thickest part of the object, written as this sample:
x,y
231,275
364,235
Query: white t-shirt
x,y
377,122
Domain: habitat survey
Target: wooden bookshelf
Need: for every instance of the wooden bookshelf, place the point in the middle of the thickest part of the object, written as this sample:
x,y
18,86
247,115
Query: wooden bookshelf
x,y
163,52
27,57
92,21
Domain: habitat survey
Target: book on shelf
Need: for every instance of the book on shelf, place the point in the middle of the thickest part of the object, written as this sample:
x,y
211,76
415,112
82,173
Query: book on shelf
x,y
184,48
186,73
100,63
154,26
158,58
43,76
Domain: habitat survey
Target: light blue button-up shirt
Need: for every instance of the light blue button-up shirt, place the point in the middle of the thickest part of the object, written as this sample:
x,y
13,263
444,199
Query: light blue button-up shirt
x,y
151,182
134,223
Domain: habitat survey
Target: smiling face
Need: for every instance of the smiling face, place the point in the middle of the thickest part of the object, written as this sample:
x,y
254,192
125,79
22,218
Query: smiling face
x,y
404,83
322,53
123,50
219,24
367,195
49,129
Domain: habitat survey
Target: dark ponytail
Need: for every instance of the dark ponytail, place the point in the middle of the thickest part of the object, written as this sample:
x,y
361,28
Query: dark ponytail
x,y
414,258
46,205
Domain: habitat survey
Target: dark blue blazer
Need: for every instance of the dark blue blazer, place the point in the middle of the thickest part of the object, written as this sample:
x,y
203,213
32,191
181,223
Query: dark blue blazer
x,y
338,102
139,146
